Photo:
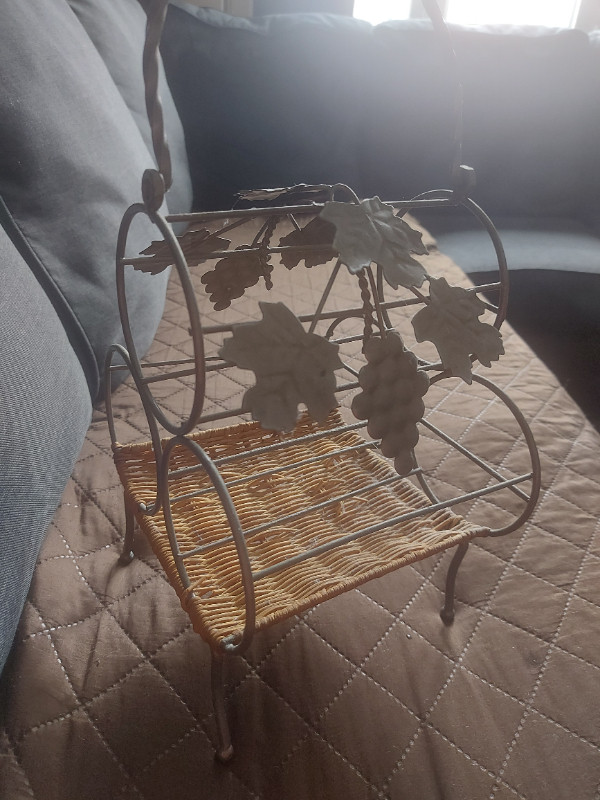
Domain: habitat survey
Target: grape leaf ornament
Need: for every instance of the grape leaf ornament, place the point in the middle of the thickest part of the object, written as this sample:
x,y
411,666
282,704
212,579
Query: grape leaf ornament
x,y
300,193
234,274
196,246
317,232
451,321
369,232
291,367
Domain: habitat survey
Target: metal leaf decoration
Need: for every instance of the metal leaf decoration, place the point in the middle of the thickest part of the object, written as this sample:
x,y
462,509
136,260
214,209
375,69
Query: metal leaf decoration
x,y
369,231
234,274
300,193
316,232
291,367
450,321
196,247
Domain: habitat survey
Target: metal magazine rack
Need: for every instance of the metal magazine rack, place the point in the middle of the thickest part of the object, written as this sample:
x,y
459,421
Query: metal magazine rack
x,y
313,484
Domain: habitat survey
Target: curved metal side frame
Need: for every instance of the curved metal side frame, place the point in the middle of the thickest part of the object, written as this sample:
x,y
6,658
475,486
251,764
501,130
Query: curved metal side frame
x,y
503,273
490,228
108,370
424,483
194,317
531,500
342,317
234,523
145,508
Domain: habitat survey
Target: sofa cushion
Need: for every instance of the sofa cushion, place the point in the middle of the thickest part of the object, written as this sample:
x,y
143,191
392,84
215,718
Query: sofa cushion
x,y
45,411
117,30
71,159
265,103
323,98
531,116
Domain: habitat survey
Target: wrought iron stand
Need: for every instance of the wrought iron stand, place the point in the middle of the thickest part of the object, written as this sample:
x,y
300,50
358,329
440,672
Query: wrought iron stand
x,y
256,521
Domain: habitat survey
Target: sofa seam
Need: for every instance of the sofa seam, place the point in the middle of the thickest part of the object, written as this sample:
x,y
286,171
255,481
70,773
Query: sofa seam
x,y
80,343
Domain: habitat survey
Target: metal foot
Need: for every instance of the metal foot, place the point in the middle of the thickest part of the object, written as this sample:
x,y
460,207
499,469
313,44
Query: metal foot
x,y
447,616
126,556
447,612
225,748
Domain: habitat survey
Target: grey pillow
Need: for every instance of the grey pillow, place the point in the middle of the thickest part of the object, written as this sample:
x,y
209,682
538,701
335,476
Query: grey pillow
x,y
71,160
118,29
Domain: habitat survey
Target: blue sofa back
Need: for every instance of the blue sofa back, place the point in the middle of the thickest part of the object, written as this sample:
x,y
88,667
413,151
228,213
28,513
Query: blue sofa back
x,y
315,97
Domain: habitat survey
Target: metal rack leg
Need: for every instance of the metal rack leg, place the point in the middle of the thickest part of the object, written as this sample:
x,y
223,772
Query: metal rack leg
x,y
225,748
447,612
126,556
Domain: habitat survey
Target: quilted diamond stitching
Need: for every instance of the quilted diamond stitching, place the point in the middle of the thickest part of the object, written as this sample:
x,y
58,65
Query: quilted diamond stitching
x,y
358,667
533,693
10,764
540,409
447,683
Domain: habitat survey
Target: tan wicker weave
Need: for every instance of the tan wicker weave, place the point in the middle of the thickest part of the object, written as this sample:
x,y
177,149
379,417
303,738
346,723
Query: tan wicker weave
x,y
216,604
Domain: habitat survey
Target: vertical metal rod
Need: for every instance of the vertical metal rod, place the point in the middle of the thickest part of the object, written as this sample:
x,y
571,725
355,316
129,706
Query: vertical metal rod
x,y
151,69
224,747
324,296
235,526
441,30
447,612
126,556
150,405
377,302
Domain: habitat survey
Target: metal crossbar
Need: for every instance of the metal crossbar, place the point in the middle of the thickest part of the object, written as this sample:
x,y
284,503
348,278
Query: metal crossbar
x,y
388,523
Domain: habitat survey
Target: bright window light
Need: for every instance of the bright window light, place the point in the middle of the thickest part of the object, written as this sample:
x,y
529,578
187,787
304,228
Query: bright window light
x,y
554,14
513,12
376,11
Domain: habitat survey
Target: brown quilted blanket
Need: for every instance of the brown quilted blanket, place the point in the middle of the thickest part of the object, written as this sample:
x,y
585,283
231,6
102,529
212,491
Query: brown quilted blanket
x,y
107,694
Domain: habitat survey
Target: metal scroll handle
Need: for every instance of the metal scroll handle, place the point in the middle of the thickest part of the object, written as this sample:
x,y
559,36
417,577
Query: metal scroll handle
x,y
157,11
458,172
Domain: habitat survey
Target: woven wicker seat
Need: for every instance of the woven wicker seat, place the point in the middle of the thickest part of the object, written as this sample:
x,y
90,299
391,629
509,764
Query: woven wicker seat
x,y
306,494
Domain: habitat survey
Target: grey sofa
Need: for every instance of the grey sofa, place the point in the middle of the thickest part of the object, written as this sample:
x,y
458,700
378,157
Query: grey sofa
x,y
311,98
74,141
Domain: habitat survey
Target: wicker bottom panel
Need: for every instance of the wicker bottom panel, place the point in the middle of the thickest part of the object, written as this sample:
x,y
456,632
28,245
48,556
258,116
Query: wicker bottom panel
x,y
216,604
